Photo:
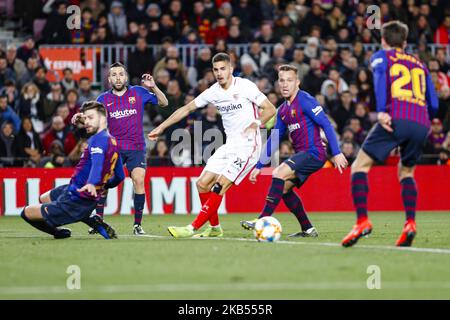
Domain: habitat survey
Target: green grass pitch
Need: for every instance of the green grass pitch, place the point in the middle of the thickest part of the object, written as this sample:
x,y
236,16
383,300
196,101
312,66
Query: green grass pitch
x,y
33,265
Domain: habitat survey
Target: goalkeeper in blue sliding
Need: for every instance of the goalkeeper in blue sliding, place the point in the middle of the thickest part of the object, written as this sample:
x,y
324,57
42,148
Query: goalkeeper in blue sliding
x,y
303,117
99,168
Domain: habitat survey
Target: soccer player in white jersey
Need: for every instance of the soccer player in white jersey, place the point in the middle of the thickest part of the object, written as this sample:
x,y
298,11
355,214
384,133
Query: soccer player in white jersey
x,y
237,100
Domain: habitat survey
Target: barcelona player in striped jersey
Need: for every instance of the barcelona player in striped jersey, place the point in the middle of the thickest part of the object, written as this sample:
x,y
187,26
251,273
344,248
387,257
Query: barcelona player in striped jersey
x,y
100,167
405,99
125,110
303,117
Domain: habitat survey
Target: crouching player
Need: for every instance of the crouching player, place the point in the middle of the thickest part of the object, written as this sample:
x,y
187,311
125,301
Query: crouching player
x,y
100,168
301,115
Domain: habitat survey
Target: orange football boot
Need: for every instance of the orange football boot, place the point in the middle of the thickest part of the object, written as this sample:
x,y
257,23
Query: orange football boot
x,y
360,229
408,234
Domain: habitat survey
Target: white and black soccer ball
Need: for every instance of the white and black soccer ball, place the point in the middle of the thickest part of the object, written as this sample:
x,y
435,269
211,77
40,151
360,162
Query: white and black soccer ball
x,y
267,229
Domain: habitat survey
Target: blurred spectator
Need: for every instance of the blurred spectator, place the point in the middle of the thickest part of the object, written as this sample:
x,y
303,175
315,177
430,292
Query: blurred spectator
x,y
285,26
140,61
343,110
312,48
7,114
255,56
7,145
211,120
355,125
420,31
444,156
349,150
315,18
335,79
59,131
247,13
137,12
203,62
298,61
55,30
52,100
88,25
28,144
441,35
248,71
436,138
40,80
96,7
5,72
178,14
167,28
55,157
117,20
27,50
32,64
68,82
314,79
434,65
162,79
84,91
30,106
16,65
270,69
361,113
72,103
171,52
266,33
12,94
175,69
159,156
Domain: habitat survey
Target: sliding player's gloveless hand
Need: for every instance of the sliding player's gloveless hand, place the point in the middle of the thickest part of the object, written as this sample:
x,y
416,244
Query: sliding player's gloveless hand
x,y
89,188
340,162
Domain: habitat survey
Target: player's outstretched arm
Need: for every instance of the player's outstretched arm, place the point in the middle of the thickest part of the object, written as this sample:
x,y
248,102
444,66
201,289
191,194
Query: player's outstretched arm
x,y
149,83
119,175
181,113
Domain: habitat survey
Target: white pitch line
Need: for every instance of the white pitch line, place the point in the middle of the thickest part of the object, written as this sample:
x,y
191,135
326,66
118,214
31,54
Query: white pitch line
x,y
312,243
206,287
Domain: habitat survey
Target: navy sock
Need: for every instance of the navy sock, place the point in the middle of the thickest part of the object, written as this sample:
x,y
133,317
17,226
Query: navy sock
x,y
99,210
273,198
409,196
360,189
295,205
39,224
139,201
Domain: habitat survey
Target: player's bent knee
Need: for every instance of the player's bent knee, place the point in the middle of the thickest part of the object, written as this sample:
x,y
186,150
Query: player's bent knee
x,y
202,185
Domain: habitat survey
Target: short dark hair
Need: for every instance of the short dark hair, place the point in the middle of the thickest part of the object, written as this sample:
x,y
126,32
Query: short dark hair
x,y
117,64
394,33
288,67
67,69
221,56
93,105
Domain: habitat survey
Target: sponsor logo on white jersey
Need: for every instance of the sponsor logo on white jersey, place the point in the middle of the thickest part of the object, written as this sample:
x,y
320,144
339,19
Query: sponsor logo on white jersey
x,y
228,108
96,150
293,126
122,113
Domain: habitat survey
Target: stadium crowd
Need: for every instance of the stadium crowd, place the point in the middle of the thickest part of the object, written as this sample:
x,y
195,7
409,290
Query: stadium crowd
x,y
35,114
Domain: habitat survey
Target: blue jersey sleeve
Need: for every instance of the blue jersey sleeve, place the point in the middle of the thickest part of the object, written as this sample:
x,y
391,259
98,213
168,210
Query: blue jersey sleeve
x,y
378,63
118,177
273,141
431,96
97,151
146,95
101,99
315,111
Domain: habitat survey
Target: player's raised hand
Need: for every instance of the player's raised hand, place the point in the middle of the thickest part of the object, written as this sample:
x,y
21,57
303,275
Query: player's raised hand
x,y
340,162
155,133
147,80
254,174
77,118
90,188
385,120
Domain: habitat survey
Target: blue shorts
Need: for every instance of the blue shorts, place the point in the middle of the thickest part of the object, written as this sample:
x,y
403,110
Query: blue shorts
x,y
304,164
408,135
66,208
133,159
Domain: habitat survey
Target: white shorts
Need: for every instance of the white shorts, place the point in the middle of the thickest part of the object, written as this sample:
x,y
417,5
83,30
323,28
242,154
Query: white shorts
x,y
235,159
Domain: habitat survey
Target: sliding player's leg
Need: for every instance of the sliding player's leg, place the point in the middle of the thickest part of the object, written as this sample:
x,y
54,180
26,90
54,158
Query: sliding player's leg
x,y
33,215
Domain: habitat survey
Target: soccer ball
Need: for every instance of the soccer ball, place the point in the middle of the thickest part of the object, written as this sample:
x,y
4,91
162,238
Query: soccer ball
x,y
267,229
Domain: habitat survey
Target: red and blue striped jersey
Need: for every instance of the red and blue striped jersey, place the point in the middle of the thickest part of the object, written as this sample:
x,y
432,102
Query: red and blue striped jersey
x,y
99,165
303,119
126,115
403,86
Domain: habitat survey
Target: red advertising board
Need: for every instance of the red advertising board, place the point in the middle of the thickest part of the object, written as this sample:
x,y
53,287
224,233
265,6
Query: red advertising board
x,y
172,190
78,59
